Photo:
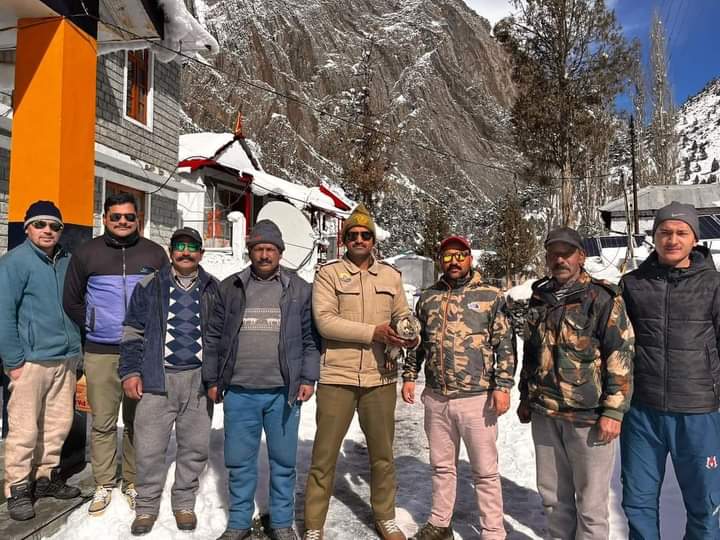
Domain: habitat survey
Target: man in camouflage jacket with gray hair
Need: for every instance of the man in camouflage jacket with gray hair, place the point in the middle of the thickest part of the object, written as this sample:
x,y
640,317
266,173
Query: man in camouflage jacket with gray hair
x,y
576,384
467,348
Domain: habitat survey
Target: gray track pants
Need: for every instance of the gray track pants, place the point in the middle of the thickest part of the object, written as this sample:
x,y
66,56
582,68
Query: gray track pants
x,y
573,478
186,406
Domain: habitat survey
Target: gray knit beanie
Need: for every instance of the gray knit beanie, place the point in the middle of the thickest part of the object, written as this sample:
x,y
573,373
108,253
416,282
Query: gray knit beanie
x,y
265,232
680,212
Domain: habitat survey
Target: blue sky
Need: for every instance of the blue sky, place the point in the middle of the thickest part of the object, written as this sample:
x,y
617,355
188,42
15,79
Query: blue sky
x,y
690,24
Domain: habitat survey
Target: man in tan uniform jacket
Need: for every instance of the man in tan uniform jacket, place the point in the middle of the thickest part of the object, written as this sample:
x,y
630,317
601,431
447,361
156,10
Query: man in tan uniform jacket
x,y
354,300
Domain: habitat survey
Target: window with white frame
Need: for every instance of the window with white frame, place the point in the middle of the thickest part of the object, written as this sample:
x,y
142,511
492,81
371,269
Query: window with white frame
x,y
139,87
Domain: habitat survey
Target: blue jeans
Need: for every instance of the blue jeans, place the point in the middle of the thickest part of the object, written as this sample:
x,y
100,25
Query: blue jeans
x,y
247,413
693,442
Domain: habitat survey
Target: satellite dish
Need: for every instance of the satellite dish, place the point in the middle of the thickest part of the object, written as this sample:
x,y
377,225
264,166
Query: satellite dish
x,y
298,235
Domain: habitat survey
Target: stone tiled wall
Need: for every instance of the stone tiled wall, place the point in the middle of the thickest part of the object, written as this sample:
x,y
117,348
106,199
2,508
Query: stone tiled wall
x,y
164,215
164,219
159,146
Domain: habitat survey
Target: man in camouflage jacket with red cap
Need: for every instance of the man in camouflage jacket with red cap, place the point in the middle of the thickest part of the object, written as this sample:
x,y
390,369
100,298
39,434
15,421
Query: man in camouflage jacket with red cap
x,y
575,384
467,349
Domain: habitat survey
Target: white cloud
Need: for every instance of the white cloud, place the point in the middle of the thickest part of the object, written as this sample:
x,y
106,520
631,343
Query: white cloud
x,y
492,10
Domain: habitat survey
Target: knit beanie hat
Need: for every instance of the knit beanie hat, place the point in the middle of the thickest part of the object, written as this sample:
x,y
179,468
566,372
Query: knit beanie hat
x,y
680,212
42,210
360,217
265,232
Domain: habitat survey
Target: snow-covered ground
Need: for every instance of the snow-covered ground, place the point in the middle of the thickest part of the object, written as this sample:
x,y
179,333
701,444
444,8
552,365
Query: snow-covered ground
x,y
350,515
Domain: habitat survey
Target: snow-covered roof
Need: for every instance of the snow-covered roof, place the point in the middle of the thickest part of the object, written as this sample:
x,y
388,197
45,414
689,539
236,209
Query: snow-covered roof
x,y
651,198
183,33
300,196
208,146
207,149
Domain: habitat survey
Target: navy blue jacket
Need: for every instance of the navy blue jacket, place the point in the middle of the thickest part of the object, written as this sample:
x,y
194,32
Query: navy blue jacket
x,y
142,349
299,347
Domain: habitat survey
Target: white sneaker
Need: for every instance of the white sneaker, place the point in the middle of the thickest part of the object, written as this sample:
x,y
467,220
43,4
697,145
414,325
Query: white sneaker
x,y
101,500
130,494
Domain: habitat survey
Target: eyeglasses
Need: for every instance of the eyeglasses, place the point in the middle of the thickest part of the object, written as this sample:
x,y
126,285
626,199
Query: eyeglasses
x,y
352,235
54,225
459,256
116,216
192,247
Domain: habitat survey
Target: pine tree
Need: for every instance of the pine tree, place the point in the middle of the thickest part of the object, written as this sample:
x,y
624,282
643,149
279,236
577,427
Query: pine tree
x,y
570,62
435,228
367,153
513,238
664,141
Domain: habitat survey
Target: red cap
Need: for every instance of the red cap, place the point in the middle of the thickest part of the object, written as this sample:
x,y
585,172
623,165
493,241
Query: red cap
x,y
458,239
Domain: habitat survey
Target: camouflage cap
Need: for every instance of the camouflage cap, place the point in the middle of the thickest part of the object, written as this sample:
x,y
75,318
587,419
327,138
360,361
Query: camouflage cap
x,y
360,217
564,234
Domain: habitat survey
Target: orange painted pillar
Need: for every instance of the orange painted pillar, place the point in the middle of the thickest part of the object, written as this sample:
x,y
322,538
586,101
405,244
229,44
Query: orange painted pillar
x,y
52,154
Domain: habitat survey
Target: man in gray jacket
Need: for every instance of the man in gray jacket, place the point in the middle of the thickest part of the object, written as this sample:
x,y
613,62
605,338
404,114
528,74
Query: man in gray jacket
x,y
262,359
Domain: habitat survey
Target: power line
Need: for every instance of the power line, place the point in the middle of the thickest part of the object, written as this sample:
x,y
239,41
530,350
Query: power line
x,y
678,16
683,16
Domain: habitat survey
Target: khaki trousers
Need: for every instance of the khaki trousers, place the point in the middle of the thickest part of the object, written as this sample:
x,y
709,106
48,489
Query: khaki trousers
x,y
470,419
40,414
105,395
573,478
336,406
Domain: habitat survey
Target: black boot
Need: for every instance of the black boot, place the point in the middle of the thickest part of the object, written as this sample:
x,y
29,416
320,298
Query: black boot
x,y
54,487
20,503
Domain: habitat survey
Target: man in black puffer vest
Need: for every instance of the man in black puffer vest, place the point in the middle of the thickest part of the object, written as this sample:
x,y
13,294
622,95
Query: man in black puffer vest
x,y
673,301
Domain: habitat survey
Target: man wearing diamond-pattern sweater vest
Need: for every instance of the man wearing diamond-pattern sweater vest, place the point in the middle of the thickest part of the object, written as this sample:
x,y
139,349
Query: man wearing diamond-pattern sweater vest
x,y
161,356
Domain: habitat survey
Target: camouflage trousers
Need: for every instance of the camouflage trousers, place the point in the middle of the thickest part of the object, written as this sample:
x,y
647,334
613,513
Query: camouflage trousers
x,y
573,478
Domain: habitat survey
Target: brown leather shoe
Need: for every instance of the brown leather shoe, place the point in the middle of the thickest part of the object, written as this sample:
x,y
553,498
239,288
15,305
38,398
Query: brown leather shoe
x,y
388,530
186,520
143,524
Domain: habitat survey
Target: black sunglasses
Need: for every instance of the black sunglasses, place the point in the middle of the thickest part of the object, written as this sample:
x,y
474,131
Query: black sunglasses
x,y
192,247
352,235
54,225
117,216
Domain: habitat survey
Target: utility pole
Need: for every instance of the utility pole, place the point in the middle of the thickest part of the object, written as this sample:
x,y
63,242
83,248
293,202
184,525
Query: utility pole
x,y
629,252
636,218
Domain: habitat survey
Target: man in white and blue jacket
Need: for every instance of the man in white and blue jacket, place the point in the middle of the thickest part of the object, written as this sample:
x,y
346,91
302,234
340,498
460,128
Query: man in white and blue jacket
x,y
40,350
262,357
161,356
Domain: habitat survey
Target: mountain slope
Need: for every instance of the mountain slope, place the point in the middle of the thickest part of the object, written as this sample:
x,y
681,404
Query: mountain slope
x,y
438,79
699,128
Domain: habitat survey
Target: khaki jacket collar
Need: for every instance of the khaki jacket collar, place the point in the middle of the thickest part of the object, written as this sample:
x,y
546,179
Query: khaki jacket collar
x,y
353,269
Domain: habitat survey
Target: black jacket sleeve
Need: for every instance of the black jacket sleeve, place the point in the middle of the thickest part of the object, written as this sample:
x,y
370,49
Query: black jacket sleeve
x,y
132,350
211,364
74,291
310,371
